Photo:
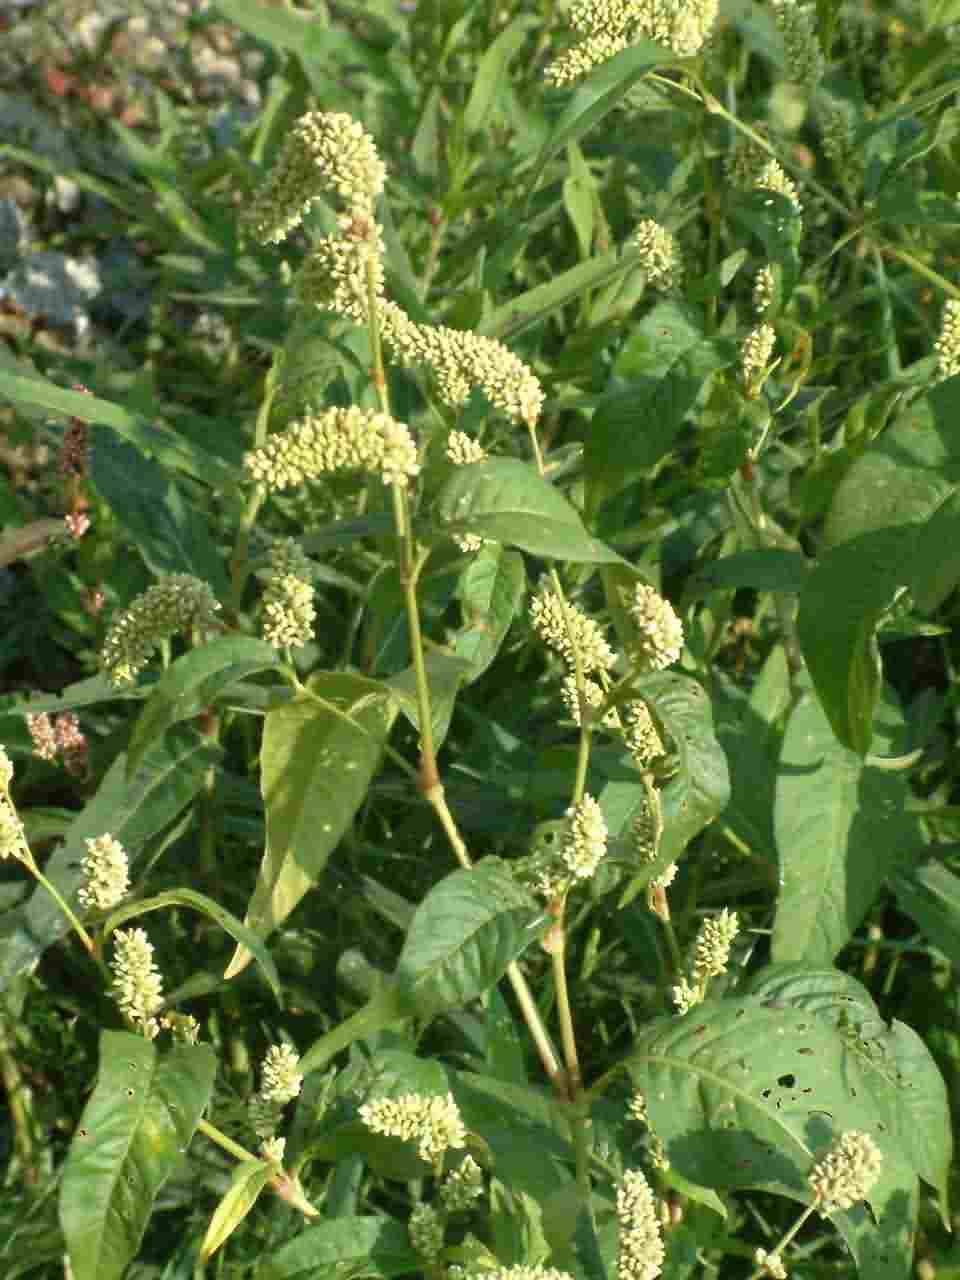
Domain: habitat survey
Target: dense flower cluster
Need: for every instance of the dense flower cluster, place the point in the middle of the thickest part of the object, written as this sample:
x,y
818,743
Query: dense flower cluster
x,y
608,26
710,955
281,1082
288,612
178,602
106,873
641,1251
460,361
771,1264
659,629
433,1122
755,356
462,450
947,345
137,984
845,1175
462,1186
341,270
659,259
351,439
326,152
60,737
586,842
797,24
771,177
426,1231
564,627
764,291
641,735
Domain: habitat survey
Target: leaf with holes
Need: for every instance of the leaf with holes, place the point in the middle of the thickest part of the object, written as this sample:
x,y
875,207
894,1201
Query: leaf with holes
x,y
907,1086
132,1135
743,1094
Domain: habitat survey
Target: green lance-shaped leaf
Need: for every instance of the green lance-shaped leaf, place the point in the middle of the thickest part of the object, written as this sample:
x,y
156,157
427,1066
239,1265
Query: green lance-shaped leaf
x,y
491,72
249,1179
200,902
841,603
600,93
169,447
170,532
171,774
490,591
665,364
506,500
906,1084
445,674
700,789
193,683
744,1094
930,894
319,755
463,935
840,830
350,1246
132,1135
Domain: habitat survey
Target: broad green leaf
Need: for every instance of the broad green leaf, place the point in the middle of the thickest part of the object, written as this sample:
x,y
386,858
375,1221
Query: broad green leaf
x,y
841,828
930,894
249,1179
777,223
841,603
491,591
903,477
766,570
665,363
317,760
386,1157
491,71
152,438
935,569
172,773
526,1129
463,935
169,531
445,674
752,747
508,501
200,902
357,1246
907,1088
193,683
746,1095
600,93
133,1133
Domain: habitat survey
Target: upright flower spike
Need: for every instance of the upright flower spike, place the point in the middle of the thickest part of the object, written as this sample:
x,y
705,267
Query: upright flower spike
x,y
281,1081
846,1174
755,356
711,953
660,631
659,258
137,984
641,1251
425,1229
797,24
178,602
106,873
351,439
326,153
771,177
947,345
586,842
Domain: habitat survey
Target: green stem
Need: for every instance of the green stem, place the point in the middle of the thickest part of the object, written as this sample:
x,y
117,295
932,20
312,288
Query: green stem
x,y
558,955
20,1102
785,1240
58,898
220,1138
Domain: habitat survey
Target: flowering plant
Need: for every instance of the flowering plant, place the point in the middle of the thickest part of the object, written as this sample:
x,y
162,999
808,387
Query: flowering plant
x,y
503,681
